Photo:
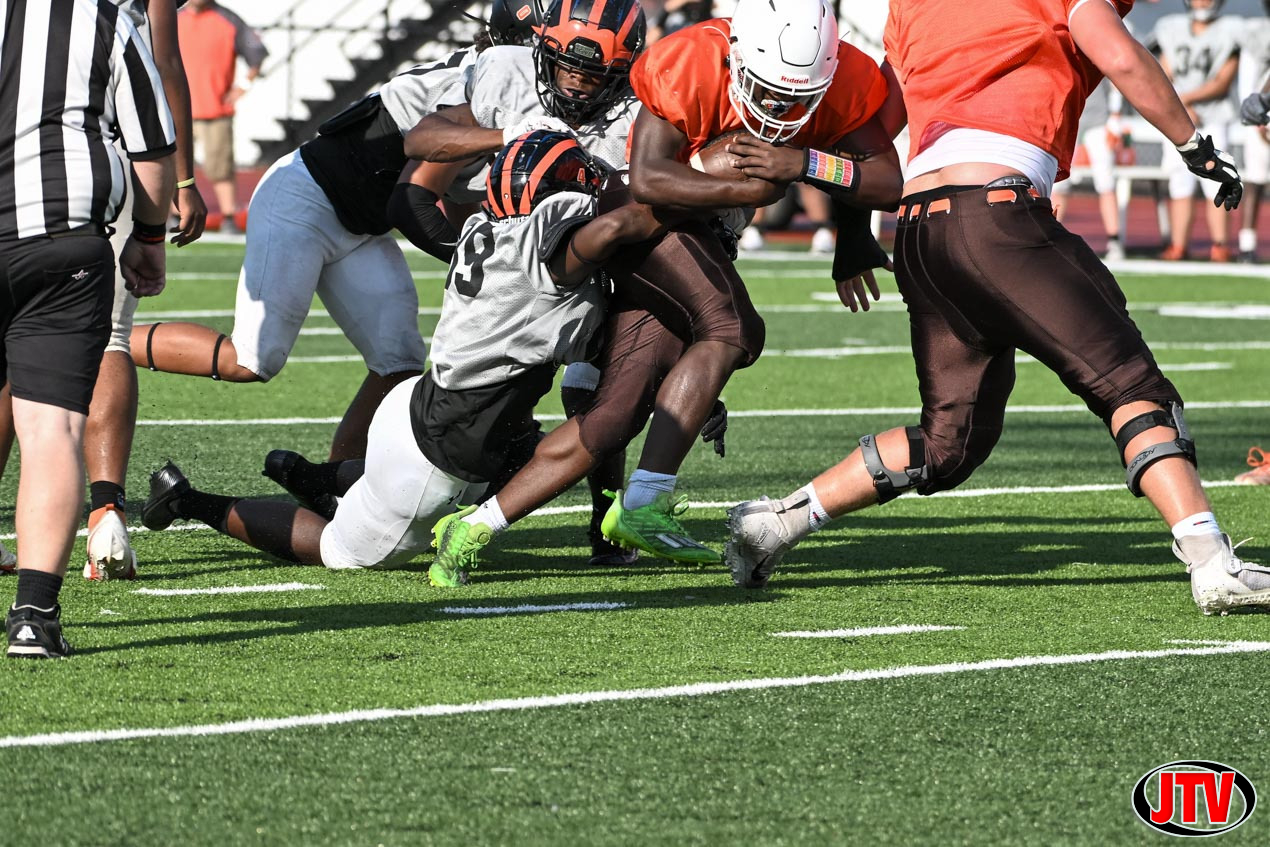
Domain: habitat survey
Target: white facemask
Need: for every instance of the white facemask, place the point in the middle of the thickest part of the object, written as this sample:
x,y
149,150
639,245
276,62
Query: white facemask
x,y
1203,16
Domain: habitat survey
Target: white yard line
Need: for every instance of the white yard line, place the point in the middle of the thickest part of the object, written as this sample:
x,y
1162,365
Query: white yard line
x,y
230,589
866,631
699,689
1072,408
527,610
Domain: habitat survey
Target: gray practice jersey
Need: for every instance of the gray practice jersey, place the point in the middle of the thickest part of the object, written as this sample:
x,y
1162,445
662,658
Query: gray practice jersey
x,y
412,95
1254,56
503,92
1194,59
502,314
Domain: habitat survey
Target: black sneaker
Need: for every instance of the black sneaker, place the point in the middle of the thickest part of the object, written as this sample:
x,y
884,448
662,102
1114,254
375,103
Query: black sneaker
x,y
605,553
167,484
278,467
36,633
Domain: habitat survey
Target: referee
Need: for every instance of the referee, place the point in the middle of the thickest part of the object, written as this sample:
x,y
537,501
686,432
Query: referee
x,y
74,76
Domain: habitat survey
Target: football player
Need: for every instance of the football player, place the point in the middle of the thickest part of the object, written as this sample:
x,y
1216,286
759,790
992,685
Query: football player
x,y
575,75
680,318
985,270
1200,52
1254,73
521,298
319,224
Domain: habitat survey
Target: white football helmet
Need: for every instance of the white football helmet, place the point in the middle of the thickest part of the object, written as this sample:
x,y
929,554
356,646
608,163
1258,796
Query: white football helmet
x,y
783,58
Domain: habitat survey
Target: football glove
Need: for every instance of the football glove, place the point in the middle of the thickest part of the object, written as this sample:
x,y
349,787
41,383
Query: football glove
x,y
1205,160
1255,110
726,235
716,427
531,123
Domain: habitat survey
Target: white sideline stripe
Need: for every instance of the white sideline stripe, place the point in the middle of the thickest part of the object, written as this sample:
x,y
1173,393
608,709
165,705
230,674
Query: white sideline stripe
x,y
865,631
1129,267
527,609
230,589
699,689
145,317
1243,312
896,349
184,276
738,413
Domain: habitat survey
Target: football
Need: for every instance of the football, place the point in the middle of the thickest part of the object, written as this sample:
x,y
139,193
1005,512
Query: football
x,y
715,160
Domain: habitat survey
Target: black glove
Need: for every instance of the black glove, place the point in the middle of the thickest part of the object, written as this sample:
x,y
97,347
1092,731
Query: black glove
x,y
1205,160
726,236
857,250
716,427
1255,110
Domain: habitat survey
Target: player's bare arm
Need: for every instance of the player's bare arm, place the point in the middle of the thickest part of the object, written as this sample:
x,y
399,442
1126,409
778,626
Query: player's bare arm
x,y
595,241
167,58
658,179
453,135
1101,36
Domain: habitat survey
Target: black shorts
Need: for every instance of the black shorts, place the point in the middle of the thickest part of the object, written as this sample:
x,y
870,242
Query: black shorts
x,y
55,299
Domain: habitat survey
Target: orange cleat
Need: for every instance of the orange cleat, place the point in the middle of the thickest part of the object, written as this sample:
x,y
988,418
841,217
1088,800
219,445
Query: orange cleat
x,y
1219,253
1260,473
1173,253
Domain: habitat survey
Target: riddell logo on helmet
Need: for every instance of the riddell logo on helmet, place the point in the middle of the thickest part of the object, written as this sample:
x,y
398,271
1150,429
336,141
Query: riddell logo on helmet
x,y
1194,798
796,80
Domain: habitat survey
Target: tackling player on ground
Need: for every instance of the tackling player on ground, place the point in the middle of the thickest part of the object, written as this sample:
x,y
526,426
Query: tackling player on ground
x,y
985,270
520,300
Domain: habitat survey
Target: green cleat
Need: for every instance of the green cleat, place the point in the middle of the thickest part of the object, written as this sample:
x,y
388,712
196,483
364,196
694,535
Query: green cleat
x,y
655,529
457,543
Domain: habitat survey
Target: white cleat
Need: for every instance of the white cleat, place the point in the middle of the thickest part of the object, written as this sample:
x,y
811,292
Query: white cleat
x,y
110,554
822,242
760,533
1220,581
751,240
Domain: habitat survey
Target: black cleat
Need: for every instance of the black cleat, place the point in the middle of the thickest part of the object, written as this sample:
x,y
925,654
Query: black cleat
x,y
36,633
278,467
605,553
167,484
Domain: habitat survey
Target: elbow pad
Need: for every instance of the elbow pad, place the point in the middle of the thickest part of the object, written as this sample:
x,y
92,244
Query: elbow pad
x,y
413,210
857,251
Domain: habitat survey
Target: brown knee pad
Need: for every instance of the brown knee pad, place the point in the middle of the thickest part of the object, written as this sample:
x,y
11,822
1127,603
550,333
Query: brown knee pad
x,y
687,280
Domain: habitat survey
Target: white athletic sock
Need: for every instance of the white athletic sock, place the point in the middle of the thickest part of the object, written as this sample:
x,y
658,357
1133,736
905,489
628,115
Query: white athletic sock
x,y
1200,523
816,514
644,486
490,514
1247,240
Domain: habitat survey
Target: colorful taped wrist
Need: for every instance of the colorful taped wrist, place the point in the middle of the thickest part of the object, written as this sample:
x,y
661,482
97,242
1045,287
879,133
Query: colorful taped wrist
x,y
829,170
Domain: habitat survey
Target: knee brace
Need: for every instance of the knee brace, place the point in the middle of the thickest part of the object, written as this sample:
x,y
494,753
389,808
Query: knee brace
x,y
1181,446
891,484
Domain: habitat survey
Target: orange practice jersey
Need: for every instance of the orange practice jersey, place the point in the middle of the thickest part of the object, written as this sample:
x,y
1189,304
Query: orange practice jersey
x,y
684,79
1009,67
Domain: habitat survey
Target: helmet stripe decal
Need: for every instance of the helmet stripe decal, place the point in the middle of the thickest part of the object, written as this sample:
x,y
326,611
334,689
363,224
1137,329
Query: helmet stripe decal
x,y
566,9
596,17
535,176
624,31
507,208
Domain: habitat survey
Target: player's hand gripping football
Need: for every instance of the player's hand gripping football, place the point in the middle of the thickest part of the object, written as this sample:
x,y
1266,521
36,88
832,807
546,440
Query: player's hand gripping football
x,y
854,292
759,159
1205,160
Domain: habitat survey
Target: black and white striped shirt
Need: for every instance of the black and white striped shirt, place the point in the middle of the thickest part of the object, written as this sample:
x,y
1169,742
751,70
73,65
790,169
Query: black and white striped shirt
x,y
74,76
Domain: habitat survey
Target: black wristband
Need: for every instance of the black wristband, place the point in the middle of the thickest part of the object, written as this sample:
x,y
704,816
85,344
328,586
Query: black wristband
x,y
148,233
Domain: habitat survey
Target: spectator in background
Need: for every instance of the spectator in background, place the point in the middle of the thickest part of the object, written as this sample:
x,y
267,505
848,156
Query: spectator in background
x,y
1200,52
673,15
1254,76
212,40
1102,135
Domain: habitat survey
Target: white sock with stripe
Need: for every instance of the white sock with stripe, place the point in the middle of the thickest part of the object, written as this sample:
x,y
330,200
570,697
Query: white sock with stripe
x,y
816,514
644,486
490,514
1200,523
